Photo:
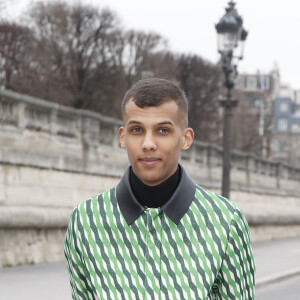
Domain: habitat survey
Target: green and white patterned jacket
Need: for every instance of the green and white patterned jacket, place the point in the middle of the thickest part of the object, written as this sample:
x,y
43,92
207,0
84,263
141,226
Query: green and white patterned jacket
x,y
195,247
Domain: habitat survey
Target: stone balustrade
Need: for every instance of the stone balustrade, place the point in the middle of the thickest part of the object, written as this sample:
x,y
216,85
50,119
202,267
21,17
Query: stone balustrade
x,y
93,129
30,113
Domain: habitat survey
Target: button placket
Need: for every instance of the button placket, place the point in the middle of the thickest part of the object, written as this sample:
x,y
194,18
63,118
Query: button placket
x,y
154,238
147,232
152,213
151,236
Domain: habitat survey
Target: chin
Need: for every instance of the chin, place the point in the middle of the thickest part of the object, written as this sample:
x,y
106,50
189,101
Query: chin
x,y
149,180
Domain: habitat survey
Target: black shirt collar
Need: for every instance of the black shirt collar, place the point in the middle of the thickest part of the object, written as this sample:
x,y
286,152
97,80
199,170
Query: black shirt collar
x,y
174,208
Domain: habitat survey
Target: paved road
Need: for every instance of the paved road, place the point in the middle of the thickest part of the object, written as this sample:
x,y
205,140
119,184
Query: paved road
x,y
288,289
35,282
276,257
50,281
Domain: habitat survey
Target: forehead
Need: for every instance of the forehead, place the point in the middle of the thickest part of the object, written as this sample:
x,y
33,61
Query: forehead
x,y
167,111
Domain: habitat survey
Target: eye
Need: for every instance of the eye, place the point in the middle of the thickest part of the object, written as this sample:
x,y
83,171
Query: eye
x,y
136,130
163,130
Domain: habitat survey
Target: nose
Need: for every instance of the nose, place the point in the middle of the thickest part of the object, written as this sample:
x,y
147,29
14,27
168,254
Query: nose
x,y
149,143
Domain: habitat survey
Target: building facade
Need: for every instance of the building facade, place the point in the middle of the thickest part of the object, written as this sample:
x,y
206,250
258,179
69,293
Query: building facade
x,y
260,90
278,106
286,135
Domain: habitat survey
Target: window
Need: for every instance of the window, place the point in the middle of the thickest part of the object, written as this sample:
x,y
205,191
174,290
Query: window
x,y
267,82
283,107
282,124
240,83
251,83
282,147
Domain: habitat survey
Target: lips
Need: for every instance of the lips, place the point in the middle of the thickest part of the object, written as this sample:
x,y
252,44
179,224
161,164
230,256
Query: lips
x,y
149,161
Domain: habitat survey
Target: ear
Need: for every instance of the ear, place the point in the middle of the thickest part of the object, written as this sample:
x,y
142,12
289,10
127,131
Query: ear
x,y
188,137
122,136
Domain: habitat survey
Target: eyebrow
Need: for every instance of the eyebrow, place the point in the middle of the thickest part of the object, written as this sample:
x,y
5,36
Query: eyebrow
x,y
165,123
160,123
133,122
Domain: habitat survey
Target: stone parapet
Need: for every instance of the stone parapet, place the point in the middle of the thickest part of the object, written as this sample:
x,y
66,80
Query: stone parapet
x,y
39,133
33,217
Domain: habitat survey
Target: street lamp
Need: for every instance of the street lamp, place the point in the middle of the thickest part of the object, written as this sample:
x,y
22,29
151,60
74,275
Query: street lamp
x,y
231,37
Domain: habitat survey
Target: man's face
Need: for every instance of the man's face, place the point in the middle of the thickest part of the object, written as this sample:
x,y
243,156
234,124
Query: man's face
x,y
154,137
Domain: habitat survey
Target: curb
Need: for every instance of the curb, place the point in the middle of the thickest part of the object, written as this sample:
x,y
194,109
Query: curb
x,y
277,277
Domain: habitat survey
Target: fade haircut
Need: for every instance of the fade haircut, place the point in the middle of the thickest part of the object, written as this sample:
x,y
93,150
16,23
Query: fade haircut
x,y
155,92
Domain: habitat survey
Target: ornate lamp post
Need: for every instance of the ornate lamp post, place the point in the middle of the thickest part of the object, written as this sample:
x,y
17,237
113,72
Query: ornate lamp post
x,y
231,37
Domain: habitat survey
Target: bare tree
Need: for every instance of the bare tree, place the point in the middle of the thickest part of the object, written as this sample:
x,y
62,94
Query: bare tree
x,y
132,51
13,42
79,56
70,44
200,81
162,64
245,124
129,56
138,47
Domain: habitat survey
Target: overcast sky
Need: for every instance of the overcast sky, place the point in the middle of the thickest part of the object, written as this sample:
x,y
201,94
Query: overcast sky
x,y
188,25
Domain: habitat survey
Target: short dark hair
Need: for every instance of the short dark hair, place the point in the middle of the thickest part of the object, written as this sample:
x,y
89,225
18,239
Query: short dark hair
x,y
154,92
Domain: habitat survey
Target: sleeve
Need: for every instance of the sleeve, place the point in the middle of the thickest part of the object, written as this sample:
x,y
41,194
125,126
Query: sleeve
x,y
236,278
78,275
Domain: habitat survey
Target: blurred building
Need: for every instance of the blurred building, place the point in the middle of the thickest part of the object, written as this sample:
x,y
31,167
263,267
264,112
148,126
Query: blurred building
x,y
278,106
260,90
286,135
260,86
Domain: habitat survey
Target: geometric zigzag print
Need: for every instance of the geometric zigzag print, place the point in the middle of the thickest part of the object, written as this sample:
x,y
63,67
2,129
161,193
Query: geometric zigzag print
x,y
206,256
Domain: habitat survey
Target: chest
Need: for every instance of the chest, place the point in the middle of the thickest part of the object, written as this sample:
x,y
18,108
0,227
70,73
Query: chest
x,y
154,258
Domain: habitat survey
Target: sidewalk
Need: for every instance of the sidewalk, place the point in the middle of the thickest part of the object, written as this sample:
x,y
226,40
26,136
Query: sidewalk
x,y
275,260
35,282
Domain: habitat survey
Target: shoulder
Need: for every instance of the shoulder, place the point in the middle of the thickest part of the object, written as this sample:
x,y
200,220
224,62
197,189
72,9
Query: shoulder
x,y
213,204
94,204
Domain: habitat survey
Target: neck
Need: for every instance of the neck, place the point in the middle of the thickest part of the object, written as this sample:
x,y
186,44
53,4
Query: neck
x,y
154,196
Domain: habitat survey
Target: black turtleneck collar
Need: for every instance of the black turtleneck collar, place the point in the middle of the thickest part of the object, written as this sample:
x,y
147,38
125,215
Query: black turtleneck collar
x,y
154,196
175,208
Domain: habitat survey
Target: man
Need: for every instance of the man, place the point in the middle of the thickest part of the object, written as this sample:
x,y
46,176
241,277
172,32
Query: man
x,y
158,235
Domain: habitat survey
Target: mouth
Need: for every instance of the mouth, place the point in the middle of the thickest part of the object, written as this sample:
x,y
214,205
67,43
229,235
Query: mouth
x,y
149,161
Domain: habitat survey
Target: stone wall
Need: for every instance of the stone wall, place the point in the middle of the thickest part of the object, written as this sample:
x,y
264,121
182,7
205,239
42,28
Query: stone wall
x,y
52,157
